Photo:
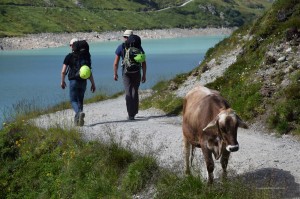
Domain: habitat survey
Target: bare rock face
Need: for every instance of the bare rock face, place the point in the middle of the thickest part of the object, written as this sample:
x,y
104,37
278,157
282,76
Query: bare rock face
x,y
204,68
292,33
173,86
209,8
270,59
283,15
267,90
280,64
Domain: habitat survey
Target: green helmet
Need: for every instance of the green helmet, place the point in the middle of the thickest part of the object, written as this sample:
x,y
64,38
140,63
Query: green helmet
x,y
140,58
85,72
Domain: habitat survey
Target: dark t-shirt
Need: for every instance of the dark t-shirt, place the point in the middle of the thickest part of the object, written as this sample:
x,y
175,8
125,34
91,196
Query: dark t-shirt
x,y
71,69
68,59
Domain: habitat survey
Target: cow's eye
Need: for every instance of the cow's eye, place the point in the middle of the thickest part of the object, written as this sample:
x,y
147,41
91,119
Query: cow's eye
x,y
223,129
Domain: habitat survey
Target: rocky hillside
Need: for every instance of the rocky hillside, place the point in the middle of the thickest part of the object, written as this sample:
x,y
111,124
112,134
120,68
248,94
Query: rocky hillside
x,y
260,66
257,69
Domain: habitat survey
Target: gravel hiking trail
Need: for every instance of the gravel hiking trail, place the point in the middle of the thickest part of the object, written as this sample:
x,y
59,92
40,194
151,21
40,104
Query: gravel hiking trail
x,y
268,161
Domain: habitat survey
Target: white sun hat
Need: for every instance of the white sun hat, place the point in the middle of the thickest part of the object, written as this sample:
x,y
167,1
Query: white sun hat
x,y
73,40
127,33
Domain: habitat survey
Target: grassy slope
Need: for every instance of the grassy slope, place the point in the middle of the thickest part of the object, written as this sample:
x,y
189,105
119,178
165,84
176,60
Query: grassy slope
x,y
243,74
60,163
20,17
282,110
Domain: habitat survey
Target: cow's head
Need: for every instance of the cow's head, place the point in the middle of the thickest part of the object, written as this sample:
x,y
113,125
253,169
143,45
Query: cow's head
x,y
227,123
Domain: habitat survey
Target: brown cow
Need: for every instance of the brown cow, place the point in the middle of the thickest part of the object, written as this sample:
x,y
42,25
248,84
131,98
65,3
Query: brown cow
x,y
209,123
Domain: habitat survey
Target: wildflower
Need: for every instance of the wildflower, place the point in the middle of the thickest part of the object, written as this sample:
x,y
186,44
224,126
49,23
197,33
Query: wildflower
x,y
72,154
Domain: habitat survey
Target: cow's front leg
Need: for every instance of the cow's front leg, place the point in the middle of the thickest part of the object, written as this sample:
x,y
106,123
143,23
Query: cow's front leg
x,y
210,166
186,151
224,163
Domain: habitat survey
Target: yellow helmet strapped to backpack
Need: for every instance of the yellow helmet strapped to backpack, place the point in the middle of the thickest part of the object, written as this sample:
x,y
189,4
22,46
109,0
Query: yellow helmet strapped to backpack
x,y
85,72
140,58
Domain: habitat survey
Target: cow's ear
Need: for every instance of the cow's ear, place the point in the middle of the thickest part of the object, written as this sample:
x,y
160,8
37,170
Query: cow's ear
x,y
211,125
241,123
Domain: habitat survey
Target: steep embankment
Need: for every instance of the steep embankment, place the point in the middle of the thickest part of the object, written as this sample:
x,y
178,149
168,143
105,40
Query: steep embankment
x,y
258,69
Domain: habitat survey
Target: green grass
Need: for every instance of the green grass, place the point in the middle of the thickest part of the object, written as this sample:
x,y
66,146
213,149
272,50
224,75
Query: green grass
x,y
139,174
286,115
61,163
243,96
240,84
172,186
163,98
18,18
58,163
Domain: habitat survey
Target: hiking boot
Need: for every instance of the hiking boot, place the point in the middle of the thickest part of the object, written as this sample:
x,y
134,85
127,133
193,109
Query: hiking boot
x,y
130,117
81,119
76,120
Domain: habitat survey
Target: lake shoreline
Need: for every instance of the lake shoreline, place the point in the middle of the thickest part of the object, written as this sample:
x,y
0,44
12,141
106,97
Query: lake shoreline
x,y
51,40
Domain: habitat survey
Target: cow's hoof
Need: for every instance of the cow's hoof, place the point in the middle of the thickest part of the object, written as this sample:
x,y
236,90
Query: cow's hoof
x,y
187,173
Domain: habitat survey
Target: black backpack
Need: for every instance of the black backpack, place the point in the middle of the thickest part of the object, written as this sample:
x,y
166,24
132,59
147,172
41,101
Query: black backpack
x,y
132,47
80,56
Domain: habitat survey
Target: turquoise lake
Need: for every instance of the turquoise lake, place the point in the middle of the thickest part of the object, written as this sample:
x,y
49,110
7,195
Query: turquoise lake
x,y
33,76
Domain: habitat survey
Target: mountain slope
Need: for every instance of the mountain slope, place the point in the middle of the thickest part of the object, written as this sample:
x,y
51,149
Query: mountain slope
x,y
263,81
18,17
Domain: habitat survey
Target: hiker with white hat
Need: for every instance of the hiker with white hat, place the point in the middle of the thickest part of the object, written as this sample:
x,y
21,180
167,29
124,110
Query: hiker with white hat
x,y
77,85
131,81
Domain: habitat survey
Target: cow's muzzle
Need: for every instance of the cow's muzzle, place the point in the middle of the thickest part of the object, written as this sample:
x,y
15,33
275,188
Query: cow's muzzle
x,y
232,148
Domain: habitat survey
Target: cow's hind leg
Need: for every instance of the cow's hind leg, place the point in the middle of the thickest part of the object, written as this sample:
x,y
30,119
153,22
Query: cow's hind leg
x,y
186,151
224,163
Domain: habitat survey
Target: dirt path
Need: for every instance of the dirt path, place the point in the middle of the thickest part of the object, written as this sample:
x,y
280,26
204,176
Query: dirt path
x,y
270,162
182,5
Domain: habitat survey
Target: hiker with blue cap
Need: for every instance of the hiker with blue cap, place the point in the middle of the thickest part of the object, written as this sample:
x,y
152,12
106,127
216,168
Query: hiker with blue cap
x,y
133,62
